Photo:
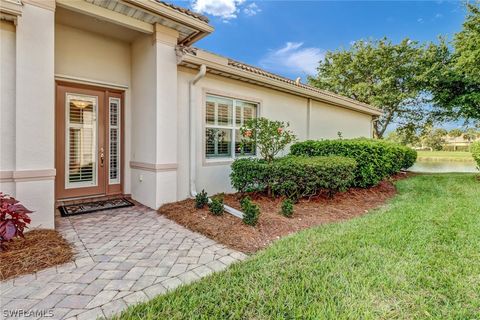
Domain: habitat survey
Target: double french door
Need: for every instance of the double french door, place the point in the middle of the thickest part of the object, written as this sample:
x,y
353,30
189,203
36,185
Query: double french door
x,y
89,138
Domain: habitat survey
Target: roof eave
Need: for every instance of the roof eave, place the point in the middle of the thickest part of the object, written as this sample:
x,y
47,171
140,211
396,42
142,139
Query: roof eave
x,y
280,85
172,14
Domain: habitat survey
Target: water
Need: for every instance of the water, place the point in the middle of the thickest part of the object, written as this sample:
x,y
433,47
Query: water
x,y
444,166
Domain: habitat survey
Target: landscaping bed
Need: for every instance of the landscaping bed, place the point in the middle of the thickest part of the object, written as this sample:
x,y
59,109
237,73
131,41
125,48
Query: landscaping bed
x,y
232,232
39,250
417,258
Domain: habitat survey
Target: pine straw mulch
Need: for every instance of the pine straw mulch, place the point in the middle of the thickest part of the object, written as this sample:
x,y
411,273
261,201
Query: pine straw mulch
x,y
271,226
39,250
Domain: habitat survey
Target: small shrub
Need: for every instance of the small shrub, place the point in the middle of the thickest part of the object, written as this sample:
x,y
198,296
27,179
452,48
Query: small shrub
x,y
376,159
13,219
251,211
201,200
287,208
476,153
216,206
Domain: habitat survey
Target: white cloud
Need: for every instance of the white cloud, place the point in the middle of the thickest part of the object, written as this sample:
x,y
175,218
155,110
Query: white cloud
x,y
293,58
420,20
251,9
226,9
438,16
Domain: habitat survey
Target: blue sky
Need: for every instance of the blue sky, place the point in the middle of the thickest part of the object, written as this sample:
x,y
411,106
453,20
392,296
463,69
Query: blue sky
x,y
289,37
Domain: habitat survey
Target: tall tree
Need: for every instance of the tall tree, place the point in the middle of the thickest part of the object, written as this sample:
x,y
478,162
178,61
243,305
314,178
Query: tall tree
x,y
453,78
379,73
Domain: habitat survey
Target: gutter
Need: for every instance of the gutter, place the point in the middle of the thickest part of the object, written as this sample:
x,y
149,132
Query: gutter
x,y
192,127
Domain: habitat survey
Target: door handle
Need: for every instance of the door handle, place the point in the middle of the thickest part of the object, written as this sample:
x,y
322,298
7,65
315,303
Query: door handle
x,y
102,157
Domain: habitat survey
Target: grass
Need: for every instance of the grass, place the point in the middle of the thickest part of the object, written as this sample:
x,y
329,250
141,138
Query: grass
x,y
418,257
443,155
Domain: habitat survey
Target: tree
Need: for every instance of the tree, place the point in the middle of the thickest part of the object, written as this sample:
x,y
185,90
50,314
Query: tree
x,y
455,133
406,135
434,138
381,74
470,135
454,77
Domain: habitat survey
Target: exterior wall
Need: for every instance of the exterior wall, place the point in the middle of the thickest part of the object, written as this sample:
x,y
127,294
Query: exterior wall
x,y
327,120
96,58
213,176
34,106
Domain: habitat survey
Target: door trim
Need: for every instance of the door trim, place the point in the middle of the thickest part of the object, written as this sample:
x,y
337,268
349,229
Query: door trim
x,y
59,138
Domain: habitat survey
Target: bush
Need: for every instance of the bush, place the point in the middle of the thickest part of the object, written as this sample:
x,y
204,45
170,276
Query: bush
x,y
13,219
251,211
201,200
287,208
270,137
297,177
476,153
293,177
216,206
376,159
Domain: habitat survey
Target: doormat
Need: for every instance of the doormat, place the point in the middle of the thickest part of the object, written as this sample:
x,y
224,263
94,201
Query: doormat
x,y
88,207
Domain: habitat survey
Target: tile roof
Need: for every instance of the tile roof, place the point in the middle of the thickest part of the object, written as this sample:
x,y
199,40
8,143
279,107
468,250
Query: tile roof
x,y
264,73
256,70
185,11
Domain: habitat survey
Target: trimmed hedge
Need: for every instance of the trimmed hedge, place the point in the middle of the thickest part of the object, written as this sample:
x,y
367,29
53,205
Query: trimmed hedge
x,y
293,176
376,159
476,153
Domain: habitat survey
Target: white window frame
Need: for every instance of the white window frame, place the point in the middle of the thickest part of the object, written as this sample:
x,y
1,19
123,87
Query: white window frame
x,y
233,127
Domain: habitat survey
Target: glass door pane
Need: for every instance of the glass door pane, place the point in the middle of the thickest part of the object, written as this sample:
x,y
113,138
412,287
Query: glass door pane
x,y
81,141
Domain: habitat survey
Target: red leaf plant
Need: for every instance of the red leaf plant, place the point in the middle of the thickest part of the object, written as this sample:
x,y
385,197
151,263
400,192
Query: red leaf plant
x,y
13,219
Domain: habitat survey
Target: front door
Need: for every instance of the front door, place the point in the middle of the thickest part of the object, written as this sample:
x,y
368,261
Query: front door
x,y
88,141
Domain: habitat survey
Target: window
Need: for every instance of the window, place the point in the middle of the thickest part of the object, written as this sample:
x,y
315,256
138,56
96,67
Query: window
x,y
114,141
222,126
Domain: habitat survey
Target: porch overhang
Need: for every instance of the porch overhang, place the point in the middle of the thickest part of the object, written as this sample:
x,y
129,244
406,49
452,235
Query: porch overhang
x,y
142,16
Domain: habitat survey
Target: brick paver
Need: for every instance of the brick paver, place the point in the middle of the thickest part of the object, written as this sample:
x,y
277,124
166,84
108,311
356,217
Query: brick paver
x,y
123,257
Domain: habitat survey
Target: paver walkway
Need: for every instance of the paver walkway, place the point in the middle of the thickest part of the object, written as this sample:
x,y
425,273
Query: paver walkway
x,y
123,256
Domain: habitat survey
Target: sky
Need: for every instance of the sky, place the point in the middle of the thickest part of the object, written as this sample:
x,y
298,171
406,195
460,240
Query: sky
x,y
290,37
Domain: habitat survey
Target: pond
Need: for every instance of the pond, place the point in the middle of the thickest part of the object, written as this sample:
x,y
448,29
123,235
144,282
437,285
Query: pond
x,y
443,165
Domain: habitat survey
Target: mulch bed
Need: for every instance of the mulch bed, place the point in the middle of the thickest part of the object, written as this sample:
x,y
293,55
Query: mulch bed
x,y
271,226
39,250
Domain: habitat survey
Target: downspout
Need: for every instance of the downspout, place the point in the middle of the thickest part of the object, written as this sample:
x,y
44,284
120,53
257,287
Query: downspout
x,y
192,155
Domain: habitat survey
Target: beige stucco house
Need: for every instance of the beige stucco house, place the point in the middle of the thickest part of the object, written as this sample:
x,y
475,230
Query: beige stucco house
x,y
106,97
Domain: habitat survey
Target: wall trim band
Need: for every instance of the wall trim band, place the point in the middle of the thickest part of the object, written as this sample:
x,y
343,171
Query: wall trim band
x,y
153,167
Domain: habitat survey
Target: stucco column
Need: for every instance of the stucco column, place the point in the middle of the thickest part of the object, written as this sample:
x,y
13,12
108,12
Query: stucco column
x,y
154,118
35,112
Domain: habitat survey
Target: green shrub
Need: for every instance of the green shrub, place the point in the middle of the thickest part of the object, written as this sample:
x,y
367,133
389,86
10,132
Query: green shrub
x,y
287,208
251,211
297,177
216,206
476,153
250,174
201,200
292,176
376,159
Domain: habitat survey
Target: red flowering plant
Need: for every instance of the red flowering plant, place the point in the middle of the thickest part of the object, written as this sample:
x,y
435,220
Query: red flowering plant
x,y
13,219
267,136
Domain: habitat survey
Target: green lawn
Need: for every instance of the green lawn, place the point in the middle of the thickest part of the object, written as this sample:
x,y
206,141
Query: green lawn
x,y
417,258
460,155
